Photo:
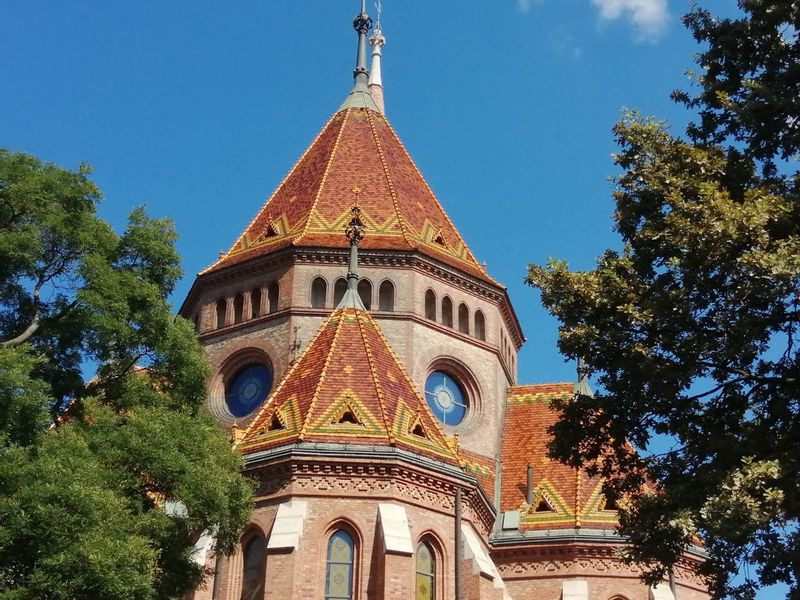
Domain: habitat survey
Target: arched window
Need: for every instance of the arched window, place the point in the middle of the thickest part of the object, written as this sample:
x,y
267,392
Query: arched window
x,y
480,325
365,293
339,288
340,567
425,584
430,305
273,292
253,574
447,312
386,296
255,303
238,308
463,318
319,292
222,308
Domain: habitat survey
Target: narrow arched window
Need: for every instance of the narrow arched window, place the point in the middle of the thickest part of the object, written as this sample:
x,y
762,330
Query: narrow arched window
x,y
340,567
447,311
386,296
430,305
480,325
255,303
425,585
238,308
339,288
365,293
273,292
253,574
319,292
222,308
463,318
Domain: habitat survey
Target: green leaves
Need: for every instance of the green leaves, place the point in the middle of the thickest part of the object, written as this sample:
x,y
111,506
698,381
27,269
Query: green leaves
x,y
690,329
82,500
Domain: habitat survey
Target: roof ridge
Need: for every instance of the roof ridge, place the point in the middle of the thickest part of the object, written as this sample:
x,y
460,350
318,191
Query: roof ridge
x,y
324,179
423,405
389,181
435,199
274,394
374,374
324,371
275,193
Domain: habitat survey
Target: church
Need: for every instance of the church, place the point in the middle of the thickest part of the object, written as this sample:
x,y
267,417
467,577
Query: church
x,y
365,365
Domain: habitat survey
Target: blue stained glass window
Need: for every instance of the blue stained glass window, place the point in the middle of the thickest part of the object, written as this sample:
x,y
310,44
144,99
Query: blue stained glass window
x,y
248,389
446,398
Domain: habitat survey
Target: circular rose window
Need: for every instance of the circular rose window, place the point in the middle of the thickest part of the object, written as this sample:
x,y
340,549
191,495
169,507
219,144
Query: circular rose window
x,y
446,398
248,389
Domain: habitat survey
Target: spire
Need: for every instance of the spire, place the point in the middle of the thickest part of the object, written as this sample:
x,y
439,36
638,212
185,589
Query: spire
x,y
359,96
354,233
377,41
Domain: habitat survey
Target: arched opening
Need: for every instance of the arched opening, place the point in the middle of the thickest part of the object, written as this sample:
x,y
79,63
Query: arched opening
x,y
463,318
222,308
238,308
447,312
319,292
255,303
365,293
386,296
253,571
340,566
273,292
430,305
425,584
339,288
480,325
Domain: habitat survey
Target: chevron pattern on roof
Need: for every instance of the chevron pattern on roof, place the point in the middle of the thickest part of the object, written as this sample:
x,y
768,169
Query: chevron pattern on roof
x,y
348,387
357,158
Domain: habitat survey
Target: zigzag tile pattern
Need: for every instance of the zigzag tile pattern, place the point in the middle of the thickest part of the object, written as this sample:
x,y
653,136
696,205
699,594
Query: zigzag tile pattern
x,y
574,498
349,387
356,150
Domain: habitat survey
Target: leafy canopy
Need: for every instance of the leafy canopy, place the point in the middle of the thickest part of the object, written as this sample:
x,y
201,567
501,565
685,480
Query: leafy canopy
x,y
691,329
87,469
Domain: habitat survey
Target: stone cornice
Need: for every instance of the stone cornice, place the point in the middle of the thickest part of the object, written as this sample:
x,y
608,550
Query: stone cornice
x,y
358,462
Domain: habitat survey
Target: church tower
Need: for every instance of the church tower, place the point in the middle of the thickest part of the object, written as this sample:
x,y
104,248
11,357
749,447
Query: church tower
x,y
364,363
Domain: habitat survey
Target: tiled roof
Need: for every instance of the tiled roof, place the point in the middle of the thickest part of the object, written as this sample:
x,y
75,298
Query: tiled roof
x,y
348,387
573,497
357,149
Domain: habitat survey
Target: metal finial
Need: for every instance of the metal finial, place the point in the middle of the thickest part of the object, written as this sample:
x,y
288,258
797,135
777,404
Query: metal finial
x,y
379,13
354,232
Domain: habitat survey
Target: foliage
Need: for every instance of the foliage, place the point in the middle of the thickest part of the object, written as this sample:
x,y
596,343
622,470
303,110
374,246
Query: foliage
x,y
88,470
690,329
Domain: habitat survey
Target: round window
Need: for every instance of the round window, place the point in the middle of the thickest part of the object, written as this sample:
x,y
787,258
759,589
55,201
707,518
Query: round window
x,y
248,389
446,398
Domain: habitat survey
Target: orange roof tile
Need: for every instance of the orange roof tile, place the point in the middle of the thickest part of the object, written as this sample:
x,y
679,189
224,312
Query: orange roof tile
x,y
575,498
348,387
357,149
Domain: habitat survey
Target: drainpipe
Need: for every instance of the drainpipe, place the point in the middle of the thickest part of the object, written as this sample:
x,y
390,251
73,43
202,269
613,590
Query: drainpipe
x,y
459,549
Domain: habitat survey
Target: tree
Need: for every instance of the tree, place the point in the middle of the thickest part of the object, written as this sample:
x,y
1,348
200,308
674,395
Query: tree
x,y
691,328
89,471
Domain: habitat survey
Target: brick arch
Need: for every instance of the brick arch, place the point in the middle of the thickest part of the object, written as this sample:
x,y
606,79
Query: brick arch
x,y
347,525
244,352
440,357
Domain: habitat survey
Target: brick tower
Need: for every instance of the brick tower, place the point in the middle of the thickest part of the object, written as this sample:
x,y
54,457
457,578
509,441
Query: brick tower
x,y
369,380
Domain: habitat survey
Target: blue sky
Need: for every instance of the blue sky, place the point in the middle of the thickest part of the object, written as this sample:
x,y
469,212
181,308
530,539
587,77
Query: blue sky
x,y
198,110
